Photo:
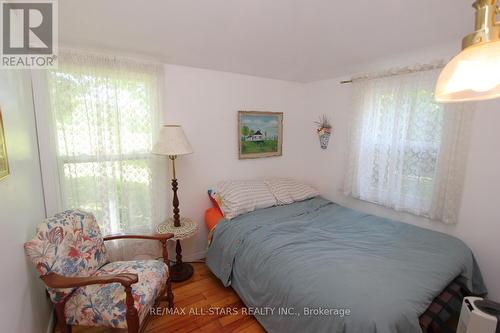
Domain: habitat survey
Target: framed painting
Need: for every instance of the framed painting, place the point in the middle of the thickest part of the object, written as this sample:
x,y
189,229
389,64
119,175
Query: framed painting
x,y
4,163
260,134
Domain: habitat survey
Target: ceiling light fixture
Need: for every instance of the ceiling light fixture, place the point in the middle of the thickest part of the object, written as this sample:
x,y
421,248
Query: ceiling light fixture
x,y
474,74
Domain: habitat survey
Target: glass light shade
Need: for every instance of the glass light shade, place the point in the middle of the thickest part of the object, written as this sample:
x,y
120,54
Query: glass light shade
x,y
172,142
472,75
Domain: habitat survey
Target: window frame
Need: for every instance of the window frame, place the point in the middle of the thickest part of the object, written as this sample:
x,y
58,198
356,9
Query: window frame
x,y
51,163
367,191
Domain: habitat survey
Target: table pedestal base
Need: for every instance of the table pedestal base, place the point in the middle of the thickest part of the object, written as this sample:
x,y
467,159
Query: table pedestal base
x,y
181,272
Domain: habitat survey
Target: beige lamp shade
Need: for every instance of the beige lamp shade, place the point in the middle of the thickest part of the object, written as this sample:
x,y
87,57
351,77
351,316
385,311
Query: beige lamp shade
x,y
474,74
172,142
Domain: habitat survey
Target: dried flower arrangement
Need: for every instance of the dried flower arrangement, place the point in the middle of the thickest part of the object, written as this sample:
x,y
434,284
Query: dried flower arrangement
x,y
323,124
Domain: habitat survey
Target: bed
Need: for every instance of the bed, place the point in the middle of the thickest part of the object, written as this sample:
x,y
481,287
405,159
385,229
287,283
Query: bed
x,y
319,267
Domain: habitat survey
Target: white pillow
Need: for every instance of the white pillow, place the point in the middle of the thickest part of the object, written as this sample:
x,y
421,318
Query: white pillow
x,y
288,191
243,196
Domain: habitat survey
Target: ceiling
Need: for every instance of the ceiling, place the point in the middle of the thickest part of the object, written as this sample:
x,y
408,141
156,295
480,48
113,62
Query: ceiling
x,y
296,40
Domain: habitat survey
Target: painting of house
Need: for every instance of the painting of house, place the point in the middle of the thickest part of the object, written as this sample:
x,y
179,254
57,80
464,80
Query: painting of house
x,y
260,134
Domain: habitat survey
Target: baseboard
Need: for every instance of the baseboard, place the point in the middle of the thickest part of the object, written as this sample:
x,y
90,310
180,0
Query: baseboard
x,y
52,322
194,256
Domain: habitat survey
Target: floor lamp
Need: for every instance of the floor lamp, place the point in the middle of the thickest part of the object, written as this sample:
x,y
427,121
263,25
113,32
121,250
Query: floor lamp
x,y
173,142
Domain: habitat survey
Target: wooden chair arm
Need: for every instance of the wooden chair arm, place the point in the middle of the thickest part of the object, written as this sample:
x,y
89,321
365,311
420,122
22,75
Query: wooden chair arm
x,y
159,237
53,280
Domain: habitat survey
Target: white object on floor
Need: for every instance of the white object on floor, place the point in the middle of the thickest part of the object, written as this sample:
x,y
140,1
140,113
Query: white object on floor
x,y
473,320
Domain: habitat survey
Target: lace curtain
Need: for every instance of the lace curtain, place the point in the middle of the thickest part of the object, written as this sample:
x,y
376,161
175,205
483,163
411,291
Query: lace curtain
x,y
105,115
408,152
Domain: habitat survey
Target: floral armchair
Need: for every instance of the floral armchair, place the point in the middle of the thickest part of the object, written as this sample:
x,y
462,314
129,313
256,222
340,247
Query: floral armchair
x,y
68,252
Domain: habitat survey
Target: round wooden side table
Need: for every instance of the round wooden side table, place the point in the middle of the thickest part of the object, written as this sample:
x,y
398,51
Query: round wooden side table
x,y
180,271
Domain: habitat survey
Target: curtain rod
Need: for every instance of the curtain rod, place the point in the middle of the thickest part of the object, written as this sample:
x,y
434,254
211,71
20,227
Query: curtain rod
x,y
398,71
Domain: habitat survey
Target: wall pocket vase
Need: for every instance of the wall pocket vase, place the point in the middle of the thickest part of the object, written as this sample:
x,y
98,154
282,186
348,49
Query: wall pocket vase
x,y
324,137
324,131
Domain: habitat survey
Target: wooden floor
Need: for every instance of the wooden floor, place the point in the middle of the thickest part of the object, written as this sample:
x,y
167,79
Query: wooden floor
x,y
197,295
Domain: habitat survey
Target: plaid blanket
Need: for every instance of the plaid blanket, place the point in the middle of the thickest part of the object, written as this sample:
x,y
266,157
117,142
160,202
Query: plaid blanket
x,y
445,309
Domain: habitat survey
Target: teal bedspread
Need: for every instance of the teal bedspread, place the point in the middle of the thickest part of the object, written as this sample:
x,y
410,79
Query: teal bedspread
x,y
315,266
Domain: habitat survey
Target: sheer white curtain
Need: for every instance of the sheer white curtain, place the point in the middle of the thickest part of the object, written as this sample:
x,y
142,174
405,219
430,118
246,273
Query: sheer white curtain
x,y
407,152
105,115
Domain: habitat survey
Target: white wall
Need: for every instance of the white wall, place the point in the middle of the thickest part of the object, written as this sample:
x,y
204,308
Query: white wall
x,y
479,221
206,104
23,305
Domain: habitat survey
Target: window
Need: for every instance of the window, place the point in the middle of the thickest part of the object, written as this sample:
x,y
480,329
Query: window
x,y
404,146
104,118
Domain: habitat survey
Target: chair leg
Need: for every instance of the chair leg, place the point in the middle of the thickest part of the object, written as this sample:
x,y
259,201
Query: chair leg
x,y
170,294
132,315
61,318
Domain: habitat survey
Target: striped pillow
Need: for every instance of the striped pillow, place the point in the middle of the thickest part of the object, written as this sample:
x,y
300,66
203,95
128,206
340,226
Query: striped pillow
x,y
243,196
288,191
